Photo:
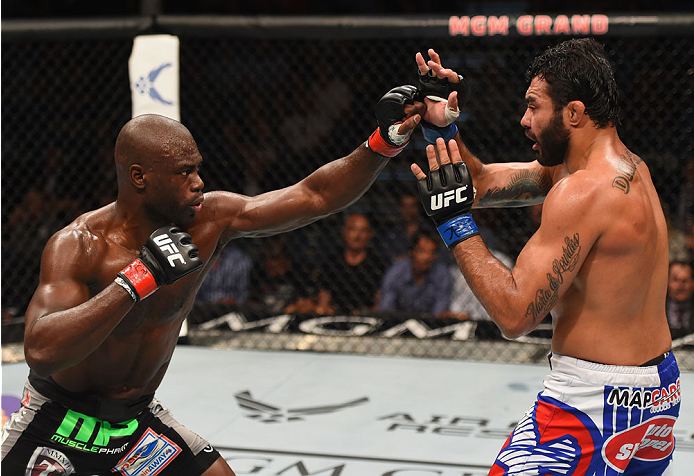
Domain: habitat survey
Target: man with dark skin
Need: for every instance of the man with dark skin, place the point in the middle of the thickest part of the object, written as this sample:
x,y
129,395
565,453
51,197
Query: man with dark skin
x,y
100,345
598,262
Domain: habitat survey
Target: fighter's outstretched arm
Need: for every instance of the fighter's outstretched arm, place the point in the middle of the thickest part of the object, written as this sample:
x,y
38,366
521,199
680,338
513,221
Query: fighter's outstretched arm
x,y
63,325
332,187
329,189
513,184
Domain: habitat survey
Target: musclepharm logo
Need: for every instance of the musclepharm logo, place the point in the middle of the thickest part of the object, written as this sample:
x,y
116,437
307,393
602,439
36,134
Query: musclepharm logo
x,y
89,434
443,200
146,84
165,243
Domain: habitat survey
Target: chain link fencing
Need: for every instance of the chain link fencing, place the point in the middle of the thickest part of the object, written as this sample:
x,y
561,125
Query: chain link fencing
x,y
266,110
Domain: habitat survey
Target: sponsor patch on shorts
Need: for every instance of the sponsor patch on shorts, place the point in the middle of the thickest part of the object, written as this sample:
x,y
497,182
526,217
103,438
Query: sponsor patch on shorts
x,y
151,454
652,440
47,461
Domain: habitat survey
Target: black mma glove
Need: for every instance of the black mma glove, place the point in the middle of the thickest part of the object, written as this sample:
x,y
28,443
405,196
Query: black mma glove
x,y
447,195
390,111
438,89
167,256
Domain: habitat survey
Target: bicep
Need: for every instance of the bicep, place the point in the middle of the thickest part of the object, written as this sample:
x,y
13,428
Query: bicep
x,y
61,282
552,258
54,297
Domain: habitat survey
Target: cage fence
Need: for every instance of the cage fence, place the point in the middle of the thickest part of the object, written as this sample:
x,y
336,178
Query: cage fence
x,y
267,106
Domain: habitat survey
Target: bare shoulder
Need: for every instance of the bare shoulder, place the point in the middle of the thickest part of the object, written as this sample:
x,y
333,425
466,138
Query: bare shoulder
x,y
80,245
576,193
228,202
216,222
220,209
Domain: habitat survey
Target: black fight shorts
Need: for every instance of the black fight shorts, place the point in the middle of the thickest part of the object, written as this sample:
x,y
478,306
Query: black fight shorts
x,y
98,438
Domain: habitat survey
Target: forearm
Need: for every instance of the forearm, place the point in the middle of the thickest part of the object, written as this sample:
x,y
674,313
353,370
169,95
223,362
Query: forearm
x,y
494,286
514,184
62,339
340,183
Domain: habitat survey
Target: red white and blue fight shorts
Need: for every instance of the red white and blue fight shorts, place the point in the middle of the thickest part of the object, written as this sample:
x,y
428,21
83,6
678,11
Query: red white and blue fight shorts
x,y
594,419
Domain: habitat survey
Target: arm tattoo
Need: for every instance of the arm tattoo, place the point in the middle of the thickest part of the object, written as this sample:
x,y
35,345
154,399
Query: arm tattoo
x,y
626,168
525,188
547,297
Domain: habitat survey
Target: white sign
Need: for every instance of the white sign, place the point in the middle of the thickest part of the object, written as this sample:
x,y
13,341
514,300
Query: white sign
x,y
154,78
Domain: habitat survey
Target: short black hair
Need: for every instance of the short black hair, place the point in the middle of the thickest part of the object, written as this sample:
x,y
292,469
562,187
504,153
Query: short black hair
x,y
680,262
578,70
423,233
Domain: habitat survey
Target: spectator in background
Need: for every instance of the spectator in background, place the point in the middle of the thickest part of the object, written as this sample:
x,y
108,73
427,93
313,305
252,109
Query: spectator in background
x,y
681,223
228,280
27,228
684,209
349,279
680,298
410,221
275,280
419,283
689,241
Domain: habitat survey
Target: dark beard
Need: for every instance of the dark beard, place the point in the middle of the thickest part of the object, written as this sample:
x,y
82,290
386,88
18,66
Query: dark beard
x,y
553,142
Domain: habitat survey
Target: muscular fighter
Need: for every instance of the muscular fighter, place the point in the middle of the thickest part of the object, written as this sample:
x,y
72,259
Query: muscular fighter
x,y
598,262
117,283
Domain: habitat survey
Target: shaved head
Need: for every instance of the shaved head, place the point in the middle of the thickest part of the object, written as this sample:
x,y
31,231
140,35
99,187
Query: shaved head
x,y
149,138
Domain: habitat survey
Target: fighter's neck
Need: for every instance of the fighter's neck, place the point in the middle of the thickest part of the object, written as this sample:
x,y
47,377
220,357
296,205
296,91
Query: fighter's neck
x,y
133,221
590,145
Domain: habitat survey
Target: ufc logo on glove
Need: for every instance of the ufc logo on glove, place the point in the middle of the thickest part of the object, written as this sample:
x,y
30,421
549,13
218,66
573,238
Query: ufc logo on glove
x,y
443,200
166,245
149,271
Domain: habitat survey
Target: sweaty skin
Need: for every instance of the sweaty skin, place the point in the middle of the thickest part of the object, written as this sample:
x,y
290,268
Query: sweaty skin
x,y
599,260
84,330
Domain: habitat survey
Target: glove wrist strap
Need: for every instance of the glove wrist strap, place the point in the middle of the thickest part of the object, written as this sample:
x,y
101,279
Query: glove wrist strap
x,y
126,285
457,229
377,144
447,133
139,279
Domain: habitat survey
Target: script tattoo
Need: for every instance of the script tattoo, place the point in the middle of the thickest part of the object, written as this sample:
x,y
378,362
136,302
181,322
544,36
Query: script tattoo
x,y
525,187
545,298
626,168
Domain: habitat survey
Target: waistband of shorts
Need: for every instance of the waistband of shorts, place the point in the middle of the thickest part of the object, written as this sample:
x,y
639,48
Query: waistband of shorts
x,y
648,368
615,375
108,409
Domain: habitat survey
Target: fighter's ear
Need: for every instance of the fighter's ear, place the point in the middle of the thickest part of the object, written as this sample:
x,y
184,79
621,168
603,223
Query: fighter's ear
x,y
576,111
137,176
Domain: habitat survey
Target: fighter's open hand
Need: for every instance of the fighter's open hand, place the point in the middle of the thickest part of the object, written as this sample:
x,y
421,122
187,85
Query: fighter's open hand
x,y
438,155
447,193
443,90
